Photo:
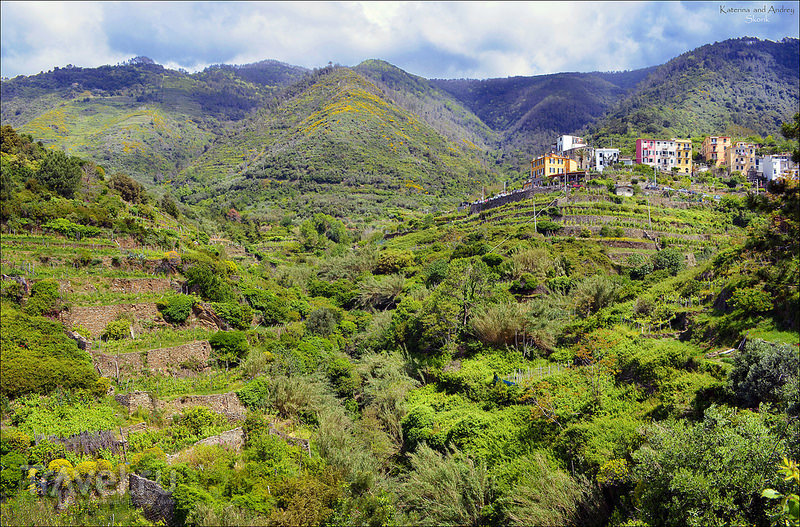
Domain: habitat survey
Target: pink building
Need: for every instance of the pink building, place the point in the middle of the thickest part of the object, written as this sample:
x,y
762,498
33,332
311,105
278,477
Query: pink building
x,y
659,154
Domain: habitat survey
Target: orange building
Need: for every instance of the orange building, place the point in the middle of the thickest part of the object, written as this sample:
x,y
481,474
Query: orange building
x,y
741,156
714,148
550,165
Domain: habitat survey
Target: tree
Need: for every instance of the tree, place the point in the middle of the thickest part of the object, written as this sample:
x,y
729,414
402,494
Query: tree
x,y
792,131
766,372
671,259
60,173
709,473
229,347
130,190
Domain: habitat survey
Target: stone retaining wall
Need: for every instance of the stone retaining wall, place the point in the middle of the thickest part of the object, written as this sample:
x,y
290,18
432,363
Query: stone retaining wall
x,y
161,360
227,404
156,503
134,400
118,366
96,318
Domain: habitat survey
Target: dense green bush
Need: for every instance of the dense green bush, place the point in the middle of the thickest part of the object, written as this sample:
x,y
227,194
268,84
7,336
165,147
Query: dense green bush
x,y
38,357
239,316
117,330
640,266
766,372
229,347
323,321
176,308
45,299
392,261
709,473
273,309
342,291
670,259
60,173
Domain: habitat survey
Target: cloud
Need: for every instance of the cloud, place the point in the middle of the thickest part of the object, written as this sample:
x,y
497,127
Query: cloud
x,y
432,39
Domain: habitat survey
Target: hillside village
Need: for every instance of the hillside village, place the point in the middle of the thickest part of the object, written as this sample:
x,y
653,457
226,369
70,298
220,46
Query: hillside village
x,y
571,163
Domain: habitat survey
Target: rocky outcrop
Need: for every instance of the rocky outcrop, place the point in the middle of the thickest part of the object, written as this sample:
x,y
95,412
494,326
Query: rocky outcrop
x,y
156,503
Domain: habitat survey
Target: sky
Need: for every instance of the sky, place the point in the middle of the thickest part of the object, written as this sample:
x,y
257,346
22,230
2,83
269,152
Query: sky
x,y
430,39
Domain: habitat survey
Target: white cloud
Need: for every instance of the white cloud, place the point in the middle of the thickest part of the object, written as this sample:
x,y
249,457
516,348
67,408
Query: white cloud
x,y
432,39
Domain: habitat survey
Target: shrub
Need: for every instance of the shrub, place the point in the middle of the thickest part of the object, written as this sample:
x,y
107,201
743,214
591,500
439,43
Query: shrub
x,y
548,226
273,310
176,309
198,419
11,290
670,259
239,316
640,266
343,377
38,357
766,372
499,324
449,489
323,321
492,260
594,293
229,347
117,330
751,300
392,261
435,273
130,190
709,473
44,300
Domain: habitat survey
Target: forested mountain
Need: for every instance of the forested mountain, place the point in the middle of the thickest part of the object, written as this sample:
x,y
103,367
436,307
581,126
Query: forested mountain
x,y
530,111
339,145
230,128
737,87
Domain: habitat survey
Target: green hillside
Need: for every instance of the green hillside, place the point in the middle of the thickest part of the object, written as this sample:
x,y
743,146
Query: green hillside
x,y
737,87
140,118
337,145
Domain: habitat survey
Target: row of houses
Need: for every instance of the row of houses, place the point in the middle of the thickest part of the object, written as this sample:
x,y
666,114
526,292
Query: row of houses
x,y
741,156
570,155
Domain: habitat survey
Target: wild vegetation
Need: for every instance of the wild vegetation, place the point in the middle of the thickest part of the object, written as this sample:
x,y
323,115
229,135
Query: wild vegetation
x,y
578,358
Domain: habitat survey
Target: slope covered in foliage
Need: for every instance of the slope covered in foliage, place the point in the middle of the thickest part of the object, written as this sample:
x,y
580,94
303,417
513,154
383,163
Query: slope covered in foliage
x,y
339,145
452,368
737,87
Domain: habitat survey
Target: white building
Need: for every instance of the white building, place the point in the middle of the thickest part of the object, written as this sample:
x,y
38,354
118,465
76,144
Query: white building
x,y
605,157
775,166
568,142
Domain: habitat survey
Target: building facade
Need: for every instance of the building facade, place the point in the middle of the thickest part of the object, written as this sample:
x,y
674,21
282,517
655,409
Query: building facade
x,y
683,151
568,142
659,154
605,157
741,157
582,155
713,149
777,166
549,165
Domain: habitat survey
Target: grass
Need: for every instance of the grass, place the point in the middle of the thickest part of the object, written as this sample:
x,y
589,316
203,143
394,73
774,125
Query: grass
x,y
162,338
167,387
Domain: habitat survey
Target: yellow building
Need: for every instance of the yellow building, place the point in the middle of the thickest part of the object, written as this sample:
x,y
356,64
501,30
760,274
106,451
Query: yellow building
x,y
550,165
741,156
714,148
683,151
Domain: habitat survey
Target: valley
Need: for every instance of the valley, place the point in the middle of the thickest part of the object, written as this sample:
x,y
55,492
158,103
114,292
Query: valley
x,y
263,295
